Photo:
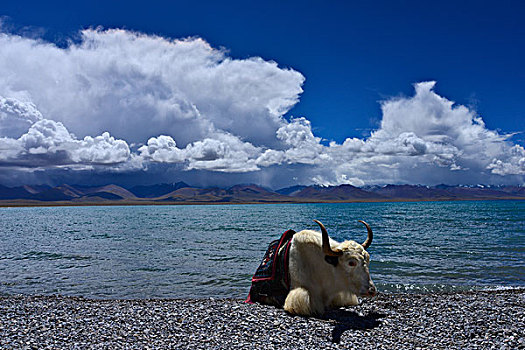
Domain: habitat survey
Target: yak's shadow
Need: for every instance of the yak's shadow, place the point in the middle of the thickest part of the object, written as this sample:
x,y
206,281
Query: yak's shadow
x,y
347,320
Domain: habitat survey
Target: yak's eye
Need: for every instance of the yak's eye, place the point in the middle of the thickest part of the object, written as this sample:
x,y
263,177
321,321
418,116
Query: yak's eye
x,y
352,262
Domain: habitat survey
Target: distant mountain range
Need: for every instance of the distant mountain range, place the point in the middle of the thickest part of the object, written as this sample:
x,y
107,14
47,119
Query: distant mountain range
x,y
183,193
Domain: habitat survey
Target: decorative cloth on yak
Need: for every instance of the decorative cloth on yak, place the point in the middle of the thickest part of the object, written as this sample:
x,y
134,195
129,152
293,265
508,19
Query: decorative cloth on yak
x,y
271,281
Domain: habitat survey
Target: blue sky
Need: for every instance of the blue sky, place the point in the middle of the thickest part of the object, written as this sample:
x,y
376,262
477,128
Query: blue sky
x,y
355,62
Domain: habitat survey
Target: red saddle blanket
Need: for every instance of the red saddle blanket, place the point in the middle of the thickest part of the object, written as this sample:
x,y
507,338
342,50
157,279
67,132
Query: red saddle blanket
x,y
271,281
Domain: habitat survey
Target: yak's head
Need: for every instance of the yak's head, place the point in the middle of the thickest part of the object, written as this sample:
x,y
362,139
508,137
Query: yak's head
x,y
351,260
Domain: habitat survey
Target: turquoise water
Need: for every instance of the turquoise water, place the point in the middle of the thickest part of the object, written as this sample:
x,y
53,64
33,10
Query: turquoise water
x,y
213,250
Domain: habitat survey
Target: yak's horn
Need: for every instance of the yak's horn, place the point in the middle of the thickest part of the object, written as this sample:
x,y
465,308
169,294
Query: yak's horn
x,y
327,250
368,241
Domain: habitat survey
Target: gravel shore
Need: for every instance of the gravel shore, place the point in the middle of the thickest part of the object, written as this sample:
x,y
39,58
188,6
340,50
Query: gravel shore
x,y
469,320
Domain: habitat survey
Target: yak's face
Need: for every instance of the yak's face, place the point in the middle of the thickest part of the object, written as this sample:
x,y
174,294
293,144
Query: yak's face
x,y
354,263
351,260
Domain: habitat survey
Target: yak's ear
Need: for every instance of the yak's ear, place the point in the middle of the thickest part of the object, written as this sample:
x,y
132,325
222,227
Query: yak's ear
x,y
332,260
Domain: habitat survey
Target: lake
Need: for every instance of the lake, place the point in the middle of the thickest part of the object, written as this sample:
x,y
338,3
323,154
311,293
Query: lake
x,y
200,251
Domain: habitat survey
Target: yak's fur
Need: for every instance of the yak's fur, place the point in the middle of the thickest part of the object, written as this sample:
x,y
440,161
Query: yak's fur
x,y
318,283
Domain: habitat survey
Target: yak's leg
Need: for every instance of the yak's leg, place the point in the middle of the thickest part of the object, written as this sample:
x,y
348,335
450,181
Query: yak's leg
x,y
344,299
300,302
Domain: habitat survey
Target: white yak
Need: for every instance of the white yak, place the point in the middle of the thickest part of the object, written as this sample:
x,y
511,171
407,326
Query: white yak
x,y
327,274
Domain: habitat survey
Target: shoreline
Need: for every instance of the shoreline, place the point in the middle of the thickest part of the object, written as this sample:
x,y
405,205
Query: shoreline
x,y
36,204
443,320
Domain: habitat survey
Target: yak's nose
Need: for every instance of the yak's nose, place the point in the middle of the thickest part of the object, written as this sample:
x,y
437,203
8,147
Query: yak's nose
x,y
372,291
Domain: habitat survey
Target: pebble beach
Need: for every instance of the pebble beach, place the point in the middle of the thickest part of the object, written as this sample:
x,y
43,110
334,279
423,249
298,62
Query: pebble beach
x,y
465,320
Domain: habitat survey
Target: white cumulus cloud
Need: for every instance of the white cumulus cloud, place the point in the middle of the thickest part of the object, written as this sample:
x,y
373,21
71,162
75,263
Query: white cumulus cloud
x,y
49,143
122,101
138,86
224,153
16,117
513,163
426,138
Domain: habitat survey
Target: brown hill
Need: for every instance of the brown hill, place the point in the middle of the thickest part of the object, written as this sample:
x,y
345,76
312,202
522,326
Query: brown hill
x,y
113,194
335,193
192,194
158,190
477,192
111,189
412,192
254,193
14,192
235,194
59,193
